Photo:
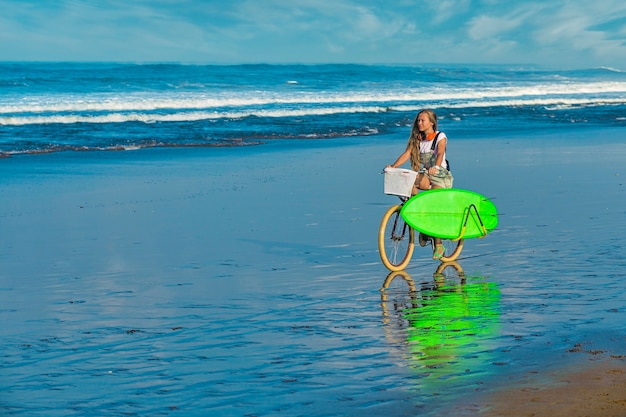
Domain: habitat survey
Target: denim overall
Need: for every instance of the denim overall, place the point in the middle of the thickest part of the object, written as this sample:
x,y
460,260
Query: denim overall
x,y
443,178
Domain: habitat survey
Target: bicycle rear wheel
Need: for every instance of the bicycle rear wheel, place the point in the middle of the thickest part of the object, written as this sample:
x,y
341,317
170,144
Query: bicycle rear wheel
x,y
396,240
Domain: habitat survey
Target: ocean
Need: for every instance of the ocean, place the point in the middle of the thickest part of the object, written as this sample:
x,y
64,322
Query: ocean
x,y
51,107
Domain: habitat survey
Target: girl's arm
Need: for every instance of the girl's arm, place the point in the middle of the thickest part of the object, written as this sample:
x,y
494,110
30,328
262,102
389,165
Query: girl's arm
x,y
402,158
441,151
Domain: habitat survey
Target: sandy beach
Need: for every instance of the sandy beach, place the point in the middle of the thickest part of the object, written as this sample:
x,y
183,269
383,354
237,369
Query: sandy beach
x,y
246,282
597,389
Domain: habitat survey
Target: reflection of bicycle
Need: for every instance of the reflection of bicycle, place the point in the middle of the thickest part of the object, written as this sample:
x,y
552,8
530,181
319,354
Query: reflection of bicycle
x,y
445,271
396,239
448,273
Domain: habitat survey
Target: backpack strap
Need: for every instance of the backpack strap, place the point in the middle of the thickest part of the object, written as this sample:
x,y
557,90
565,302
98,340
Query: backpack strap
x,y
434,144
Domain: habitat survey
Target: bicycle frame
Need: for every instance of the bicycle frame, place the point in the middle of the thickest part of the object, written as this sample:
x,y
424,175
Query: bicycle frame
x,y
396,247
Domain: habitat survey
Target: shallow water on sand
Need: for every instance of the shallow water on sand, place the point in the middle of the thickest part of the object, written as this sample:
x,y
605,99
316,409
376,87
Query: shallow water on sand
x,y
146,297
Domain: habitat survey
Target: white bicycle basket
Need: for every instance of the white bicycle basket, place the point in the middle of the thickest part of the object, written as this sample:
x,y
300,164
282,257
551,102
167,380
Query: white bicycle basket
x,y
399,181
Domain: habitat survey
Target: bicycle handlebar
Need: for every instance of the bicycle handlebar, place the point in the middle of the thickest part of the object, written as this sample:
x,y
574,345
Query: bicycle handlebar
x,y
421,171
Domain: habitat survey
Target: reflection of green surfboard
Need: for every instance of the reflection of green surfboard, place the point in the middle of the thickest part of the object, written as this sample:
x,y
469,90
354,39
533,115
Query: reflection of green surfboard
x,y
453,332
451,213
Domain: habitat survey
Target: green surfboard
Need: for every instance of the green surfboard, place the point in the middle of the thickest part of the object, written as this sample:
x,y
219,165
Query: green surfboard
x,y
450,213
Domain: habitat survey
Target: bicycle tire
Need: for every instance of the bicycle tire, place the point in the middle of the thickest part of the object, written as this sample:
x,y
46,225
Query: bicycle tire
x,y
396,240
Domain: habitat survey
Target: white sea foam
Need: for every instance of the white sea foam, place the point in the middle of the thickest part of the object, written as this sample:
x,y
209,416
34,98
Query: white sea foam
x,y
611,69
446,96
553,103
181,116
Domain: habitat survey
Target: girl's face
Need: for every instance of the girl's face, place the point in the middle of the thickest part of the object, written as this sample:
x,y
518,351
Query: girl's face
x,y
424,124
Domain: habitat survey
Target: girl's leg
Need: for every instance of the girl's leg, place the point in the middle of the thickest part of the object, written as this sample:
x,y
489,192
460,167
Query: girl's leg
x,y
439,249
423,183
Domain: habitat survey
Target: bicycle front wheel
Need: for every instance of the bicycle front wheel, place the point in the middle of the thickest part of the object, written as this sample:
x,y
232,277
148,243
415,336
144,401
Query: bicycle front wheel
x,y
396,240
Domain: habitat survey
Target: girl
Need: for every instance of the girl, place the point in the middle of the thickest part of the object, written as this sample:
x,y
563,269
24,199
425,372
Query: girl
x,y
427,149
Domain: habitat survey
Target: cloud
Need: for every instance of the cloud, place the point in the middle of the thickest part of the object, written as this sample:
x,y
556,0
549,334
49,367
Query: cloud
x,y
487,27
614,28
563,32
447,10
584,33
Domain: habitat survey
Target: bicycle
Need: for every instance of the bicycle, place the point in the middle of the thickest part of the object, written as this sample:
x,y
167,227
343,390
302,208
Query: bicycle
x,y
396,239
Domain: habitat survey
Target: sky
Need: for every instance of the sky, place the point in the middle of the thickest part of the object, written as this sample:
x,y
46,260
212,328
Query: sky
x,y
552,33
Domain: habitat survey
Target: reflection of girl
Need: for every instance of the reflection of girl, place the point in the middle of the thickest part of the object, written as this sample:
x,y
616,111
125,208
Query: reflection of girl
x,y
450,326
427,149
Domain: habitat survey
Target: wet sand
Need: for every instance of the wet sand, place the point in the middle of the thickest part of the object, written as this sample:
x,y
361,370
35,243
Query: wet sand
x,y
598,389
247,281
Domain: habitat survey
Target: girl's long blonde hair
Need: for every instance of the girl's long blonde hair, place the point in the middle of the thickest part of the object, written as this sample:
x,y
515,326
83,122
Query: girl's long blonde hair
x,y
416,136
